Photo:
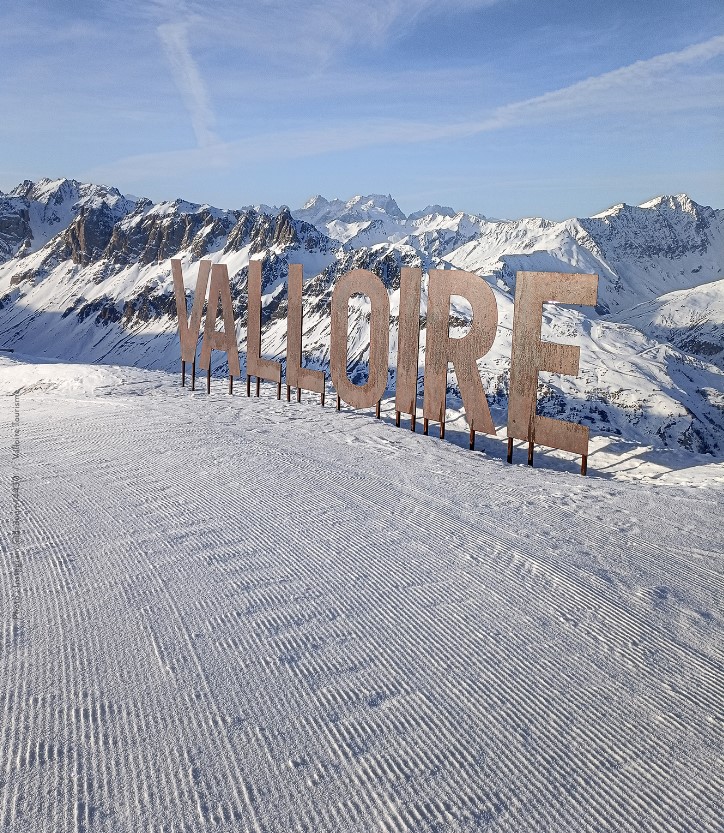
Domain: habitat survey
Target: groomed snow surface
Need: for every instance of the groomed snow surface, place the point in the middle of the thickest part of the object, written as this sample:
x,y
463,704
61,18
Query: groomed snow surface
x,y
223,613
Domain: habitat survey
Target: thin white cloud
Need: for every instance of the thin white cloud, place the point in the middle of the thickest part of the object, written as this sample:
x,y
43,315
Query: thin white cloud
x,y
647,85
174,39
642,88
313,32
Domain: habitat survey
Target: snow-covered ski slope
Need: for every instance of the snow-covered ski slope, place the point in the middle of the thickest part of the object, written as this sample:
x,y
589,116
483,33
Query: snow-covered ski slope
x,y
229,614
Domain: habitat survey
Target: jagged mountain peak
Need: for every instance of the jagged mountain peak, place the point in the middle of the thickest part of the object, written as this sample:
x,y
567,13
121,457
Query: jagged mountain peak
x,y
433,210
376,202
35,212
21,189
664,202
672,202
176,206
264,208
48,191
360,208
318,201
611,211
57,191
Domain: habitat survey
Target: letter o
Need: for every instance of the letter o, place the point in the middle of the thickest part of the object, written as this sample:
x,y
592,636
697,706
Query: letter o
x,y
366,283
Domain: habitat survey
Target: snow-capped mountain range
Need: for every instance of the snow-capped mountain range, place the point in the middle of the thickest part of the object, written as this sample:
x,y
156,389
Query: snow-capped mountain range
x,y
85,275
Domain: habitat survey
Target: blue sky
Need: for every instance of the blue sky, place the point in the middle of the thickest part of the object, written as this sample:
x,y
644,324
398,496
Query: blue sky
x,y
507,108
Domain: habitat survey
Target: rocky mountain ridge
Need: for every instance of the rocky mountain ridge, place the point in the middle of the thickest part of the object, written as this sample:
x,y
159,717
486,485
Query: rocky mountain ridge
x,y
85,275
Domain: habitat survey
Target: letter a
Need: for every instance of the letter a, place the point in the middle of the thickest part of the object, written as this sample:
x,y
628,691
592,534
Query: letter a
x,y
226,339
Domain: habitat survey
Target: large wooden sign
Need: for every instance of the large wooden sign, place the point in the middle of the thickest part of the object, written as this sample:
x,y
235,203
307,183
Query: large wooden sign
x,y
530,354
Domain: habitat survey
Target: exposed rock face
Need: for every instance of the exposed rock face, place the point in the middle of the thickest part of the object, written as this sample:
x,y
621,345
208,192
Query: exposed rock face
x,y
670,227
87,237
85,274
15,232
242,232
33,213
148,236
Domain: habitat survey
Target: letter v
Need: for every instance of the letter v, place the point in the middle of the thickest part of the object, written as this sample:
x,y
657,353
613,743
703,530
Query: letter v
x,y
188,329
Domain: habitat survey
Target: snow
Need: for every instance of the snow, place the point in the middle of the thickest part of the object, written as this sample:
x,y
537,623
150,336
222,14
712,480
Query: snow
x,y
244,614
692,319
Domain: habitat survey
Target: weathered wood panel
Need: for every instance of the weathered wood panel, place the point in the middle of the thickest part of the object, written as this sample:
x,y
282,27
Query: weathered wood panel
x,y
462,352
301,378
366,283
188,329
530,355
255,364
408,341
225,340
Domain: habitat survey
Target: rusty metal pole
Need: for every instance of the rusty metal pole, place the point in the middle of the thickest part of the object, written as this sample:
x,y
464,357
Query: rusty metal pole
x,y
248,384
424,425
231,384
338,402
322,399
299,394
584,465
279,389
288,393
208,379
377,409
258,380
472,439
193,375
412,423
397,418
530,452
510,449
183,373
